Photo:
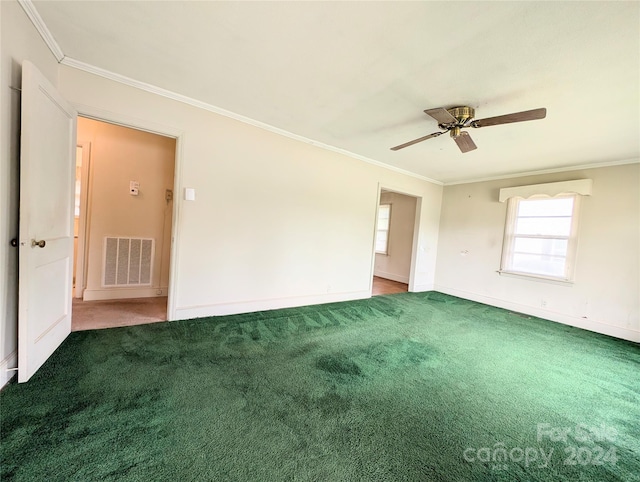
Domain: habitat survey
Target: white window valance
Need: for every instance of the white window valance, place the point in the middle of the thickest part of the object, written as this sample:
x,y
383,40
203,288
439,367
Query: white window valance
x,y
551,189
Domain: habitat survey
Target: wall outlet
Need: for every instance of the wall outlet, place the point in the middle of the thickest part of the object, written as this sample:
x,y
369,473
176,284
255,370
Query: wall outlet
x,y
543,303
134,188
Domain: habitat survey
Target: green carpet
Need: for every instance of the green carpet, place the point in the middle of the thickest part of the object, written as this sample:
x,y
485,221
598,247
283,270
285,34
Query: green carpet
x,y
408,387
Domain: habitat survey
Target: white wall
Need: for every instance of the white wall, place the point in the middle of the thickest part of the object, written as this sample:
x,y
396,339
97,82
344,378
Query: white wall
x,y
276,222
605,294
19,41
120,155
396,264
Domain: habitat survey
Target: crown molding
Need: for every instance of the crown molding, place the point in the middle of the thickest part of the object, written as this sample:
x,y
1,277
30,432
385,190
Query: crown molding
x,y
92,69
31,12
30,9
546,171
48,38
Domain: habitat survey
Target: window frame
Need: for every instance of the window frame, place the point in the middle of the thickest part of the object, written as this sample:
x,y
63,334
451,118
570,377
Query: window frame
x,y
510,236
387,229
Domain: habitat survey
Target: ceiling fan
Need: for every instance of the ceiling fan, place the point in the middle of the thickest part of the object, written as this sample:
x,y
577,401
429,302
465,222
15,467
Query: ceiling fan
x,y
457,118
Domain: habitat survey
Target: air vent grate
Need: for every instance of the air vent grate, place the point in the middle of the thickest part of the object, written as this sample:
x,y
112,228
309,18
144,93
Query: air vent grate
x,y
128,261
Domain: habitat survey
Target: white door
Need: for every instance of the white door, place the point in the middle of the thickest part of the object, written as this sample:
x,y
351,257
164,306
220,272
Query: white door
x,y
47,173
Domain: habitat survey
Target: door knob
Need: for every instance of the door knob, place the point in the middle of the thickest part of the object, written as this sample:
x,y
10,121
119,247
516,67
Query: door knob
x,y
40,244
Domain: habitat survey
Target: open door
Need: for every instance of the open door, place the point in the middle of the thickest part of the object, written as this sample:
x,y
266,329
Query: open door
x,y
47,173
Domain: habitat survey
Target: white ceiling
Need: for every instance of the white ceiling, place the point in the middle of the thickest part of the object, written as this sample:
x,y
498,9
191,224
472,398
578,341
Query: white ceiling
x,y
358,75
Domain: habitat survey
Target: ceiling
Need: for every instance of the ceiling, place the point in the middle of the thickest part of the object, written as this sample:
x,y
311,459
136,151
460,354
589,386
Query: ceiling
x,y
357,75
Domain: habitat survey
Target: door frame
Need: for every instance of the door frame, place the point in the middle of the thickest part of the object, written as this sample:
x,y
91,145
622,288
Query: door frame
x,y
80,271
124,120
416,232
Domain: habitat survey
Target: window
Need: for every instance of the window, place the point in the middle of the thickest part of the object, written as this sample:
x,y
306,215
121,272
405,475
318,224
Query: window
x,y
382,233
540,237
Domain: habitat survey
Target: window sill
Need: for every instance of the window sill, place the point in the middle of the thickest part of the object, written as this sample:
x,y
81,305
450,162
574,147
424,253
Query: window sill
x,y
536,277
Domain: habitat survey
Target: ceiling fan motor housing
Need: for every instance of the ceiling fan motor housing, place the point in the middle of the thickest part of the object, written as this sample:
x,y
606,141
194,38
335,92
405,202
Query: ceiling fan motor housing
x,y
462,114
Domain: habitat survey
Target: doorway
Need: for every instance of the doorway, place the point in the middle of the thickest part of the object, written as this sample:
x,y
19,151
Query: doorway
x,y
394,242
123,225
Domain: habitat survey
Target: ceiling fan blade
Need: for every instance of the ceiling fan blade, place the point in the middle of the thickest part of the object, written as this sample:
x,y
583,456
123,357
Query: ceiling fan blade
x,y
465,143
526,115
415,141
441,115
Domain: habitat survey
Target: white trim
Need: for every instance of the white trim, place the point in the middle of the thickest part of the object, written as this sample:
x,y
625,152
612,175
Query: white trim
x,y
251,306
123,293
535,277
546,171
388,188
7,368
80,269
124,120
550,189
413,267
77,64
576,321
31,11
172,291
372,267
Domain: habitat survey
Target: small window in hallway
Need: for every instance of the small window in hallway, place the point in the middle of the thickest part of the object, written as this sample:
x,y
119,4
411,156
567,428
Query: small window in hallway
x,y
382,233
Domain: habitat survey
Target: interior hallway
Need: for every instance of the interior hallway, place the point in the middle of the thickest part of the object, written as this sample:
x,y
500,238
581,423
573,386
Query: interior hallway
x,y
92,315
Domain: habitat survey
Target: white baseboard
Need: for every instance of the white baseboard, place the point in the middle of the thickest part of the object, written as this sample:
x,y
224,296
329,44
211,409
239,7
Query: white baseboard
x,y
585,324
10,361
187,312
123,293
391,276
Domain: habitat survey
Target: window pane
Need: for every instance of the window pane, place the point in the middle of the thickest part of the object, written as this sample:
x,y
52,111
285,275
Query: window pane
x,y
384,211
557,226
381,241
546,207
538,241
555,247
539,264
